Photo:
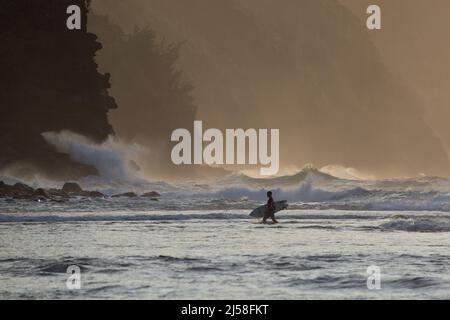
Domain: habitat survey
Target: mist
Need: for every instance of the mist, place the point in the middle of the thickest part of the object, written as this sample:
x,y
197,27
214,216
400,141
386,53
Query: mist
x,y
413,44
310,68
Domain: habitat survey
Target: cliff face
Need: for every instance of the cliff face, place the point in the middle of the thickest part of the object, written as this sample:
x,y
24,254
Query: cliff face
x,y
154,97
49,82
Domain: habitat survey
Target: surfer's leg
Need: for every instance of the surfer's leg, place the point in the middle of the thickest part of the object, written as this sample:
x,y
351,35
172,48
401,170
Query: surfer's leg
x,y
266,216
272,216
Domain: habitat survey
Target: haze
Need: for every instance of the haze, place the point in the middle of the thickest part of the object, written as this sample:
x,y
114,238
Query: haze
x,y
341,95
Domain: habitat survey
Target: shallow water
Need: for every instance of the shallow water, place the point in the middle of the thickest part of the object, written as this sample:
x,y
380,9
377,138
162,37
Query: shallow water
x,y
213,254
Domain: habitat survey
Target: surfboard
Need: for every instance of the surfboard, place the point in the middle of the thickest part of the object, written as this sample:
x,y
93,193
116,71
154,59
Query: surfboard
x,y
259,212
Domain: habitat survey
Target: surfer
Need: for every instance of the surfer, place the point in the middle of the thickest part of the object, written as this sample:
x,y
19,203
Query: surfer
x,y
270,211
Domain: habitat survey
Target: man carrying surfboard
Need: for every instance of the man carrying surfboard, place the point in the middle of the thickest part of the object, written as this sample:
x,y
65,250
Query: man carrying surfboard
x,y
270,211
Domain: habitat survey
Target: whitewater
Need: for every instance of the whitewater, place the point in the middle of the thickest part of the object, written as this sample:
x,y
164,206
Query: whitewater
x,y
198,242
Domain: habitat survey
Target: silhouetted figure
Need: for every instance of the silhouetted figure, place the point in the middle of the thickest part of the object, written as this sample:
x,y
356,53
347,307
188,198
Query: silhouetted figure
x,y
270,211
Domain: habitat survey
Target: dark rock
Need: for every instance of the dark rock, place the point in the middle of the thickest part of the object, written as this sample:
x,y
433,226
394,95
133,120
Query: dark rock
x,y
23,189
41,193
126,194
3,189
18,191
93,194
82,99
152,194
72,187
58,193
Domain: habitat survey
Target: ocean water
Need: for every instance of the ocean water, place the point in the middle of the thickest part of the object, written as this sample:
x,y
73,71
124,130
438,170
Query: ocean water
x,y
179,249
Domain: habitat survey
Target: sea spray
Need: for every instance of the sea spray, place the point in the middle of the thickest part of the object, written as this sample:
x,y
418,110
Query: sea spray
x,y
112,159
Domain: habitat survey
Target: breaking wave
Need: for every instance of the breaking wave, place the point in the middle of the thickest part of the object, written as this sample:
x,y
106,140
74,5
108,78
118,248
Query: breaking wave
x,y
305,192
306,196
110,158
418,225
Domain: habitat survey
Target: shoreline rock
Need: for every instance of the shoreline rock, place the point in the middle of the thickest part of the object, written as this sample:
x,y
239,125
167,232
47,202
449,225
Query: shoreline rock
x,y
71,187
42,193
125,195
151,194
21,191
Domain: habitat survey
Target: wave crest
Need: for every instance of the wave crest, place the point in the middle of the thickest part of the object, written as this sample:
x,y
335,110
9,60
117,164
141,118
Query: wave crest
x,y
418,225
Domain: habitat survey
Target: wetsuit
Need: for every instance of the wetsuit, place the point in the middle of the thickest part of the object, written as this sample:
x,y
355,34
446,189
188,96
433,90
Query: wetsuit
x,y
270,211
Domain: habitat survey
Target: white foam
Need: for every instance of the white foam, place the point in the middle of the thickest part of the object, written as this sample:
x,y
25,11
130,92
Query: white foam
x,y
110,158
418,225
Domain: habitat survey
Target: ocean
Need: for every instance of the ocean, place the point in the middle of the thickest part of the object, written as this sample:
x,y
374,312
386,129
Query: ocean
x,y
185,247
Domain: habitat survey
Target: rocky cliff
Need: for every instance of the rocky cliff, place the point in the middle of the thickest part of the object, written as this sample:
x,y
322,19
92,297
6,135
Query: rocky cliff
x,y
49,82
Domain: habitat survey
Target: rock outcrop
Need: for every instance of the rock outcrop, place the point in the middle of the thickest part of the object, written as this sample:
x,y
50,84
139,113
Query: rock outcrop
x,y
69,190
71,187
125,195
151,194
49,82
21,191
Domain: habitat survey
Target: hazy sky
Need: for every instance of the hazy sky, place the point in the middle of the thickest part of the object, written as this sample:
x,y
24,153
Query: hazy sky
x,y
415,46
375,101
